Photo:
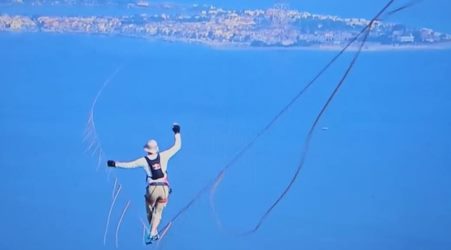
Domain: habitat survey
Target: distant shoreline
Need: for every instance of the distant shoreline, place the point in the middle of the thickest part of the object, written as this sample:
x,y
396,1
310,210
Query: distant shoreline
x,y
369,47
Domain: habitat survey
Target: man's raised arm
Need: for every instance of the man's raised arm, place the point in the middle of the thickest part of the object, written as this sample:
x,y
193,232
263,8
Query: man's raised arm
x,y
178,141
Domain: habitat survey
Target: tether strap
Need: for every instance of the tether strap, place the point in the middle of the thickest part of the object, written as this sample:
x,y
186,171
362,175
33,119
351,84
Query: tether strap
x,y
158,184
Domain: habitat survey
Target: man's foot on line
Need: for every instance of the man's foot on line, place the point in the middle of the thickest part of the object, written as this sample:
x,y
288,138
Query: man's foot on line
x,y
150,238
155,237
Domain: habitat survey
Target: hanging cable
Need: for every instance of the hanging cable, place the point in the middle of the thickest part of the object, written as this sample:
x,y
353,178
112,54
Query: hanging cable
x,y
215,183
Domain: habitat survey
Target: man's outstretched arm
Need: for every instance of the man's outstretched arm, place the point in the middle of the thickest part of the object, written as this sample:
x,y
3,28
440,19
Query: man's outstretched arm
x,y
130,164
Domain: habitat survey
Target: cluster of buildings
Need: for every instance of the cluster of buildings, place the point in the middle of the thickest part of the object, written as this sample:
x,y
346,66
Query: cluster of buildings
x,y
17,24
271,27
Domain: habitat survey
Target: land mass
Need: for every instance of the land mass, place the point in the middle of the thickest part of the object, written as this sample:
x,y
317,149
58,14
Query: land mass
x,y
278,26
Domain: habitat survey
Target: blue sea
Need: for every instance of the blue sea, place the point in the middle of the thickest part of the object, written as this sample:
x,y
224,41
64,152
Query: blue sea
x,y
377,175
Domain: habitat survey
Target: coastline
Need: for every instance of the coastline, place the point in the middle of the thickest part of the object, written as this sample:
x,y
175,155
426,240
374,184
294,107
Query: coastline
x,y
369,47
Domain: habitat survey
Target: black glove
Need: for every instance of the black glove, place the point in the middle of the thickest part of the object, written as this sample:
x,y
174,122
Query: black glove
x,y
111,163
176,128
